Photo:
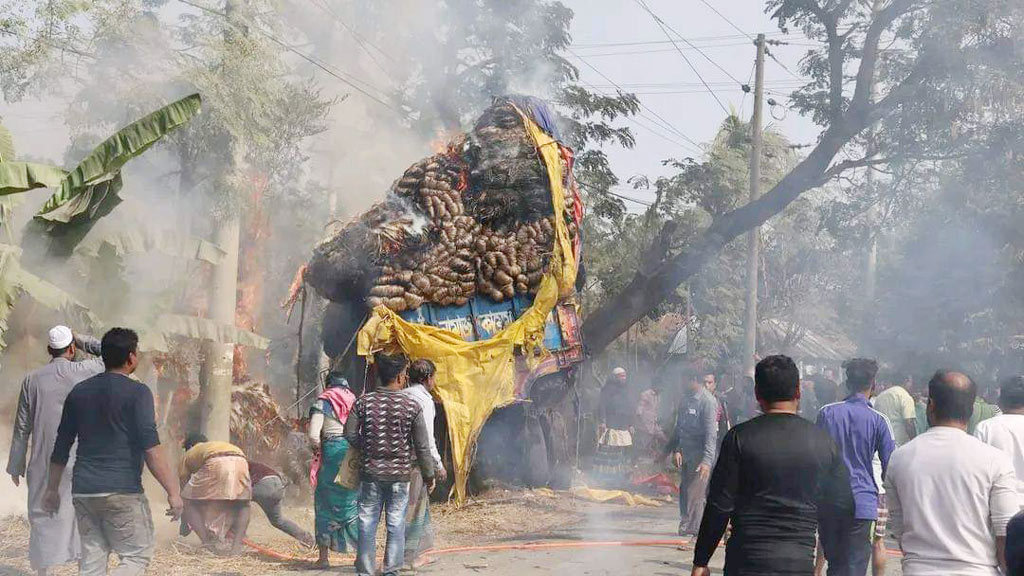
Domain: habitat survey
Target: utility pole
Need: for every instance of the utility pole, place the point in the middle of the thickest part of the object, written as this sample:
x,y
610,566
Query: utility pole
x,y
753,237
871,258
217,374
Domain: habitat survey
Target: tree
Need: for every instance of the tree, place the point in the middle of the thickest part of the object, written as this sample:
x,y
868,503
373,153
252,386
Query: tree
x,y
935,64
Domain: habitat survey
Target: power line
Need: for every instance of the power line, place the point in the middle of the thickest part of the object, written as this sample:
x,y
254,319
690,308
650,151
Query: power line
x,y
784,67
660,50
311,59
635,121
716,84
665,25
661,25
730,22
586,186
668,125
624,197
363,43
692,39
746,87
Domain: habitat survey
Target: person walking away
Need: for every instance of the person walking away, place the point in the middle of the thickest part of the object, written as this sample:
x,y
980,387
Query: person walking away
x,y
336,507
774,476
950,494
615,430
724,422
983,410
387,426
809,401
861,432
896,404
268,490
419,533
649,435
1006,431
112,418
217,490
692,446
52,540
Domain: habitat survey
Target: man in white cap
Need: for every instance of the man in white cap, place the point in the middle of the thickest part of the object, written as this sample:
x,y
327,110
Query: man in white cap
x,y
615,430
53,539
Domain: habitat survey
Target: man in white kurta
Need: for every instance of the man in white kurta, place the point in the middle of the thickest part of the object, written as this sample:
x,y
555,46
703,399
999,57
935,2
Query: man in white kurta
x,y
53,540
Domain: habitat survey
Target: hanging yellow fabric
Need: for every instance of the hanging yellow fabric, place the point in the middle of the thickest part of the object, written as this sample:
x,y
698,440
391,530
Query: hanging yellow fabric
x,y
474,378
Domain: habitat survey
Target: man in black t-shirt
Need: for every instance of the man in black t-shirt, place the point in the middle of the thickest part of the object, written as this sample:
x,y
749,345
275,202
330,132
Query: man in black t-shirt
x,y
112,418
775,474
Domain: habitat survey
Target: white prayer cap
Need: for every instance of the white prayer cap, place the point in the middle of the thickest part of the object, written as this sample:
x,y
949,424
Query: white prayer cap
x,y
60,337
620,371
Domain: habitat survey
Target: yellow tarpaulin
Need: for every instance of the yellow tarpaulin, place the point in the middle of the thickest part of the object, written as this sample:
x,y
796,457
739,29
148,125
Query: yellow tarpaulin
x,y
474,378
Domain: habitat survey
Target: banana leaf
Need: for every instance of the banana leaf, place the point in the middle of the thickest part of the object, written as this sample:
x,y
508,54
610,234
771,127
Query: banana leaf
x,y
206,329
15,280
8,289
105,162
6,145
18,177
145,240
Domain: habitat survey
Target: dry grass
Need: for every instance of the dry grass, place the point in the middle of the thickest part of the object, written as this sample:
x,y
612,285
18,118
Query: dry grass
x,y
500,515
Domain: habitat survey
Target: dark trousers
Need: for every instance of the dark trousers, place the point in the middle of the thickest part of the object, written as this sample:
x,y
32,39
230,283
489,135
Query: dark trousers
x,y
692,497
847,545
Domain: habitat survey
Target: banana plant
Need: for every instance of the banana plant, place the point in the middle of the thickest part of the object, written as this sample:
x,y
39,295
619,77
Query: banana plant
x,y
90,190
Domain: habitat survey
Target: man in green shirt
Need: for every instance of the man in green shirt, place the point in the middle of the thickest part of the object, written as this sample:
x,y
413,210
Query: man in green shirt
x,y
982,411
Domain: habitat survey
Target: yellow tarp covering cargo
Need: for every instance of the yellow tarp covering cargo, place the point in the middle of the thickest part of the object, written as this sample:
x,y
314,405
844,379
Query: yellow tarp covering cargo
x,y
474,378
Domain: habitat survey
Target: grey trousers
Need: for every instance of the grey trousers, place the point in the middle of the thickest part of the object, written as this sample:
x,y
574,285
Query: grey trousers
x,y
119,523
267,494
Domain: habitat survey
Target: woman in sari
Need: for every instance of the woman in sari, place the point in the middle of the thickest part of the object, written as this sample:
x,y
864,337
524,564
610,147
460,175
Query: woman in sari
x,y
419,534
336,507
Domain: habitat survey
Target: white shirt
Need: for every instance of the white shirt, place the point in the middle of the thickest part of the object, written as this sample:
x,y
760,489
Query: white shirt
x,y
419,393
949,497
1006,432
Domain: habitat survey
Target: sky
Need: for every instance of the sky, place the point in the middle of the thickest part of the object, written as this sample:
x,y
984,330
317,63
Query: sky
x,y
616,42
621,43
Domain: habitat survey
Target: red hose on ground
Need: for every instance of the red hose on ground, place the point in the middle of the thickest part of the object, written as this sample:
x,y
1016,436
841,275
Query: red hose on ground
x,y
547,545
526,546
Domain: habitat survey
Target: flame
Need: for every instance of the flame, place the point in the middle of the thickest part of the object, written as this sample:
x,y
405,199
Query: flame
x,y
256,229
442,141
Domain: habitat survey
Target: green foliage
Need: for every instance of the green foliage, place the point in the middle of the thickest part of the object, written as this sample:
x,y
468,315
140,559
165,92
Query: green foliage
x,y
6,145
16,177
103,165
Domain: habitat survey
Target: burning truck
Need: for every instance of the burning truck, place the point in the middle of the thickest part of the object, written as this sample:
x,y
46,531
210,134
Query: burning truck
x,y
464,242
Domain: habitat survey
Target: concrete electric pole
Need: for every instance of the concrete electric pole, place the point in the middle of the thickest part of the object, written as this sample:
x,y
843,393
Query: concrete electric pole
x,y
753,237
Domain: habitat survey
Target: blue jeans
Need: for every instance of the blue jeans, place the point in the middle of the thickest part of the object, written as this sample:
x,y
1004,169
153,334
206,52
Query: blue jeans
x,y
393,498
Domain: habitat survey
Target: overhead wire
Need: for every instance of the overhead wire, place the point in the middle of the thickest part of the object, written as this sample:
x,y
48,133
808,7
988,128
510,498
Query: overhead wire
x,y
729,22
665,25
692,39
664,123
662,25
325,67
363,43
746,87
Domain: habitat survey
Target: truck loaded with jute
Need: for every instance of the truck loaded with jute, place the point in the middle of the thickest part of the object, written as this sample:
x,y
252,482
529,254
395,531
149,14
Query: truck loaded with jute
x,y
470,261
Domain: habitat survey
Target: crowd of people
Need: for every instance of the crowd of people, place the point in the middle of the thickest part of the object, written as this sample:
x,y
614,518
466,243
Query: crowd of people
x,y
799,474
804,474
87,503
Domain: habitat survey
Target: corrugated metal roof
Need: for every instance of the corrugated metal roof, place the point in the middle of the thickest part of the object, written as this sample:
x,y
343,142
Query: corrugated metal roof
x,y
810,345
